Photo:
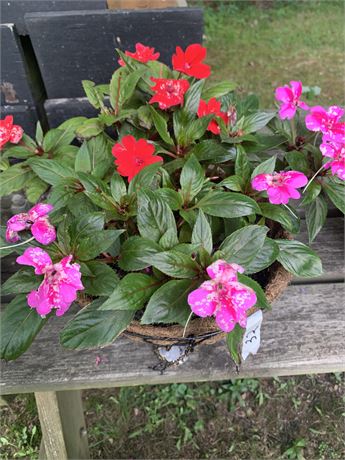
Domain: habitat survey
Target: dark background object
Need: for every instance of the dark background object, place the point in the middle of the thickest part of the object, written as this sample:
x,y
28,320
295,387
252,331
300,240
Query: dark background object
x,y
23,115
59,110
13,11
77,45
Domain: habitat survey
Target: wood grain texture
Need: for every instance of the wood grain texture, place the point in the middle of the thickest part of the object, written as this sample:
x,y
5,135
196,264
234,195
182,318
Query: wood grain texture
x,y
56,39
60,110
50,420
302,334
14,85
148,4
13,11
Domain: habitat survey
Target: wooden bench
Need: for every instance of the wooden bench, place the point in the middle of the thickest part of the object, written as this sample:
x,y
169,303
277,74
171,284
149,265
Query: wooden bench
x,y
302,334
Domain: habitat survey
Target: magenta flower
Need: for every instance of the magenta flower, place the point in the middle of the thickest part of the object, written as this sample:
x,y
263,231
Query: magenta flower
x,y
35,220
59,286
223,296
280,186
327,121
336,151
290,98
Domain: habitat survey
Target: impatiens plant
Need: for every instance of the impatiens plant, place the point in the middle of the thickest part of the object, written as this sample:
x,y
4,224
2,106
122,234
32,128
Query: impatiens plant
x,y
179,201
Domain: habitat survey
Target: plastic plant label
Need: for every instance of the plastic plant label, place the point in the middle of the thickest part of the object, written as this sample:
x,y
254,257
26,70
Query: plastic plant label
x,y
251,338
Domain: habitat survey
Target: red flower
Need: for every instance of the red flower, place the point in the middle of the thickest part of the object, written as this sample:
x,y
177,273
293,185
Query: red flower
x,y
9,132
168,92
212,106
142,54
132,156
189,61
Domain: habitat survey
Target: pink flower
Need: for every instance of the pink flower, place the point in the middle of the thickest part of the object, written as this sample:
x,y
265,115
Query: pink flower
x,y
336,151
327,121
280,186
60,284
9,132
223,296
290,98
35,220
142,54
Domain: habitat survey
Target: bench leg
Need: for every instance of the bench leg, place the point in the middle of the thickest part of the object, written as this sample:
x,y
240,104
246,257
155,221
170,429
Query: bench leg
x,y
63,426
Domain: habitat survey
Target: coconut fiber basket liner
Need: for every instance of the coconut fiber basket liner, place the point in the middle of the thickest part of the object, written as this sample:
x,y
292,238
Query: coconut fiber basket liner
x,y
205,330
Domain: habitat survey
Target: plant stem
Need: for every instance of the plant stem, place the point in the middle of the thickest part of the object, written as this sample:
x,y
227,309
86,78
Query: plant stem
x,y
311,180
19,244
291,212
293,131
186,325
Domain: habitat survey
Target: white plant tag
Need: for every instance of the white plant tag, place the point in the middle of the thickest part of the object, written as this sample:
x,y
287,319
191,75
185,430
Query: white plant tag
x,y
251,338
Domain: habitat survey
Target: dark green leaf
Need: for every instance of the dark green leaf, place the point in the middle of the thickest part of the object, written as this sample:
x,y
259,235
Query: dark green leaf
x,y
82,159
256,121
100,279
192,97
34,188
90,128
131,293
234,342
202,233
50,171
174,263
266,167
242,165
244,244
227,204
56,138
170,196
93,328
133,250
264,258
232,183
218,90
297,161
298,259
23,281
315,216
311,193
169,303
144,178
19,326
117,187
191,179
280,214
336,192
161,126
95,242
14,178
210,149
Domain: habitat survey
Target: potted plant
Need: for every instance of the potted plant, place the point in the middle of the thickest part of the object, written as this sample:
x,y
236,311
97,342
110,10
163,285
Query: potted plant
x,y
171,215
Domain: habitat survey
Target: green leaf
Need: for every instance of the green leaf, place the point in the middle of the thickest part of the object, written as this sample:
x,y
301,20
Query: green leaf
x,y
261,301
93,328
88,223
94,243
56,138
82,159
23,281
298,259
100,279
161,125
202,233
312,192
90,128
242,165
169,303
264,258
234,342
129,84
280,214
117,187
315,216
131,293
232,183
93,94
35,187
14,178
227,204
174,263
192,97
154,216
336,192
133,250
266,167
19,326
244,244
257,121
51,171
39,133
170,196
297,161
218,90
144,178
115,87
210,149
17,151
191,179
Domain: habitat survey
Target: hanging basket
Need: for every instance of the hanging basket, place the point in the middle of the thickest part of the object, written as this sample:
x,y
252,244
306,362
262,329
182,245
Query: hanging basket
x,y
205,330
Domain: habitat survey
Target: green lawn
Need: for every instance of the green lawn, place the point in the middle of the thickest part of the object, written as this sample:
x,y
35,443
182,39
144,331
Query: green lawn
x,y
248,419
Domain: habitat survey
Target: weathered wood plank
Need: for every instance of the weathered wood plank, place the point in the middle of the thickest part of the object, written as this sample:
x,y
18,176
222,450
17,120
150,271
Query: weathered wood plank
x,y
300,335
56,41
60,110
23,115
13,11
49,415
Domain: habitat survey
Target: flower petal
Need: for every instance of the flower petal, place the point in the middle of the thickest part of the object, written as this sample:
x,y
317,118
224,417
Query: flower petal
x,y
37,258
43,231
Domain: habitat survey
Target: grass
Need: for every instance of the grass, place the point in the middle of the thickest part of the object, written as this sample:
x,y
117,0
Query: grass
x,y
287,418
261,49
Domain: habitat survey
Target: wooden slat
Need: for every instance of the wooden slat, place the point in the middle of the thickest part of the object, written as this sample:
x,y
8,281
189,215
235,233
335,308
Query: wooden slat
x,y
302,334
148,4
56,39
